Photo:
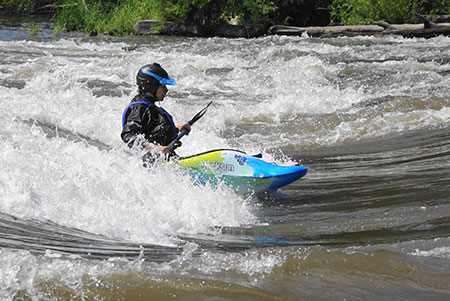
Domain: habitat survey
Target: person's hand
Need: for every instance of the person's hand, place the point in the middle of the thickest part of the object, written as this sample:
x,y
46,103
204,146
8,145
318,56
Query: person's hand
x,y
184,126
164,149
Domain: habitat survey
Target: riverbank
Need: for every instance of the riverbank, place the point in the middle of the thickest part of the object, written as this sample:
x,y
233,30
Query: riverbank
x,y
131,17
427,29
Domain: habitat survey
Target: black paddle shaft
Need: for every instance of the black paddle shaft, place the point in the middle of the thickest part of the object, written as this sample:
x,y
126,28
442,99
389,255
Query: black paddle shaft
x,y
191,122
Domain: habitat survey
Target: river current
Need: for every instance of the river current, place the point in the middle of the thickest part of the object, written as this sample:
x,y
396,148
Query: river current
x,y
80,218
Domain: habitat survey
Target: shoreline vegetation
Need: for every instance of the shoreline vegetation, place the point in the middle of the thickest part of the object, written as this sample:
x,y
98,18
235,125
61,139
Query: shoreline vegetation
x,y
243,18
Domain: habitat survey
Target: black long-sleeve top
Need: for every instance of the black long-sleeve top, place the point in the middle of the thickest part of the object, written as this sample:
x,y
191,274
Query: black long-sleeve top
x,y
143,117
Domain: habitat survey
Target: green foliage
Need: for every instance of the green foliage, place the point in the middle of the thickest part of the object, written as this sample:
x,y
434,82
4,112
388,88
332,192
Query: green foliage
x,y
33,29
213,12
251,11
120,18
369,11
437,7
201,12
301,12
107,17
393,11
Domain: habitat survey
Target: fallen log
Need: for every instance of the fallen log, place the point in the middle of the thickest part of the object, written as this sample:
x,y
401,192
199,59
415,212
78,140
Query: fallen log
x,y
327,31
426,30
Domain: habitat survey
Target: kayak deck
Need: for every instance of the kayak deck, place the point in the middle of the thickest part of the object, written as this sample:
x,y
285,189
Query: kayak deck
x,y
242,172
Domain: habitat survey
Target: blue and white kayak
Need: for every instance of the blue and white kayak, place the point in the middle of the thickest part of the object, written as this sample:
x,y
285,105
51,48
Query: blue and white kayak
x,y
242,172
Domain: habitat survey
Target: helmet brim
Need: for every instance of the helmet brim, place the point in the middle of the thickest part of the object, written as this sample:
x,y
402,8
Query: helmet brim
x,y
160,79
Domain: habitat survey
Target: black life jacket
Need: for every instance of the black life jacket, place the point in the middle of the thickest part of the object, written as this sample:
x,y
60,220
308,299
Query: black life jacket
x,y
164,130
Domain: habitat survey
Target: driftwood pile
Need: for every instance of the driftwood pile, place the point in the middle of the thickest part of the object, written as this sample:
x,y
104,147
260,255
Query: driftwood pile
x,y
426,30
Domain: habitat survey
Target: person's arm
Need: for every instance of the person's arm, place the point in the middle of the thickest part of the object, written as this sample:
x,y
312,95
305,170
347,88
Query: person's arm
x,y
134,124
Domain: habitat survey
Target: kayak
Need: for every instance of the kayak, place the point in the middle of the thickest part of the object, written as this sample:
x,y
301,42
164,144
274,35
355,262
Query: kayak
x,y
242,172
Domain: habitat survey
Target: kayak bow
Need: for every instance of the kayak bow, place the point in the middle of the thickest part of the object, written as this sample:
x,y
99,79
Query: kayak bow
x,y
240,171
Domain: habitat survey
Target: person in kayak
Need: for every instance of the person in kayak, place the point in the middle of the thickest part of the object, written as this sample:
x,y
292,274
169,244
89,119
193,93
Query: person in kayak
x,y
143,118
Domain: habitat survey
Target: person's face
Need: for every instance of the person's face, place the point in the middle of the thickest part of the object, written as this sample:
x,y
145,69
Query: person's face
x,y
161,92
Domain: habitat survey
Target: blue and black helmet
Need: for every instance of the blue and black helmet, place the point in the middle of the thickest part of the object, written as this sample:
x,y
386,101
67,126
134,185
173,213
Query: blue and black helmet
x,y
150,77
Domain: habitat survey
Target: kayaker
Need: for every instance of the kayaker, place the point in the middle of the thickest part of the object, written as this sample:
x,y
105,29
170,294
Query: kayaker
x,y
142,118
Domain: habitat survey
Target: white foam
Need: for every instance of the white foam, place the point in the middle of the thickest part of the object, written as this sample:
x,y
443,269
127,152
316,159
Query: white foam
x,y
440,252
109,193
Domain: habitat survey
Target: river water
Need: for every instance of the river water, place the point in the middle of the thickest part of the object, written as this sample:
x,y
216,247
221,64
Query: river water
x,y
80,218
